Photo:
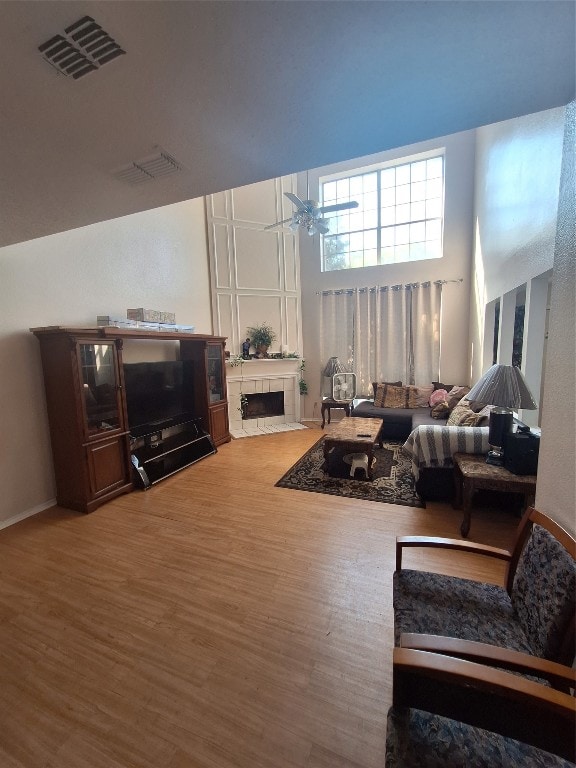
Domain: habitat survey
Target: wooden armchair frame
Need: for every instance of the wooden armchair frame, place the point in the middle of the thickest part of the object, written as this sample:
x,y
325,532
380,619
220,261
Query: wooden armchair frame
x,y
559,676
493,699
531,517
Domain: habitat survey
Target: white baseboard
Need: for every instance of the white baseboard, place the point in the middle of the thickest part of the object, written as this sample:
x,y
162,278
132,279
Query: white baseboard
x,y
27,513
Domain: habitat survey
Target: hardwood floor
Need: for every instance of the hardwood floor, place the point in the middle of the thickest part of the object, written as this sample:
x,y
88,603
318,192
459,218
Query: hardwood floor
x,y
214,621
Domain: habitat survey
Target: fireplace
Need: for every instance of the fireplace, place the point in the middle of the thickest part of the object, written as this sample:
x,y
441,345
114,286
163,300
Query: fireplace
x,y
262,404
276,377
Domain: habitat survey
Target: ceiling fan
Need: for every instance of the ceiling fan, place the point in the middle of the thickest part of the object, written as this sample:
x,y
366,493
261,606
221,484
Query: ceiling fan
x,y
309,215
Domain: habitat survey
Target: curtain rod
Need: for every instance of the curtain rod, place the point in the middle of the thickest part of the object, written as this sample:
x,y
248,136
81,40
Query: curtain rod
x,y
375,288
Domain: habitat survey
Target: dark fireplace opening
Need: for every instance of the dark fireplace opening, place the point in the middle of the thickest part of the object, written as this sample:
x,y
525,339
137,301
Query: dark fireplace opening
x,y
263,404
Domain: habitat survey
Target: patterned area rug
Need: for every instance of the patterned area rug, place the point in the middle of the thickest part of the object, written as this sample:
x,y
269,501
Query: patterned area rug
x,y
392,481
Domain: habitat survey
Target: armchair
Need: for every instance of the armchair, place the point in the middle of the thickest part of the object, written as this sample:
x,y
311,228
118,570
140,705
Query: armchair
x,y
534,613
453,712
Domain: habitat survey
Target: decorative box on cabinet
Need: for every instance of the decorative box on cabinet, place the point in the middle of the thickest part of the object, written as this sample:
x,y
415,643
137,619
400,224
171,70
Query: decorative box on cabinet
x,y
87,417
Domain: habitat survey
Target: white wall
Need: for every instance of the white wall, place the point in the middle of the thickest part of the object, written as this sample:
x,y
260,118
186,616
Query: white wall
x,y
516,202
157,260
254,270
556,488
524,228
455,264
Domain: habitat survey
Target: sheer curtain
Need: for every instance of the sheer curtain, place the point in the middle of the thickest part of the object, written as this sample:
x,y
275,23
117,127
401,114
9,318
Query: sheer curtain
x,y
337,327
384,333
426,307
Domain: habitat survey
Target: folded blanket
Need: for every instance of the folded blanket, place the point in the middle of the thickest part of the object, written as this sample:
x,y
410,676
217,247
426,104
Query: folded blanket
x,y
435,445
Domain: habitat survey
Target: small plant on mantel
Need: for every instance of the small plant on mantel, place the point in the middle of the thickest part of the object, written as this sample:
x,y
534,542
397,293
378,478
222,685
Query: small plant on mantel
x,y
261,337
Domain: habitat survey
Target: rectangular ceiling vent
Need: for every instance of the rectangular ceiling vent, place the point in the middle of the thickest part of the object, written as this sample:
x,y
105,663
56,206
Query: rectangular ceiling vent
x,y
148,168
82,48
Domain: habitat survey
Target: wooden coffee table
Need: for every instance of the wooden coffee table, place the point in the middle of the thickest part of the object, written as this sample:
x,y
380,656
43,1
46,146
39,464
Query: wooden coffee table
x,y
353,435
471,474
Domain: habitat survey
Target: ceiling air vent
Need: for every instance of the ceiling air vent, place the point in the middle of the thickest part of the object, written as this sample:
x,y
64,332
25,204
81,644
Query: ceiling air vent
x,y
82,48
148,168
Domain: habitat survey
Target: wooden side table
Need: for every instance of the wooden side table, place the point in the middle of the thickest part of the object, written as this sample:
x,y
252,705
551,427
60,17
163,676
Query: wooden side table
x,y
471,474
329,403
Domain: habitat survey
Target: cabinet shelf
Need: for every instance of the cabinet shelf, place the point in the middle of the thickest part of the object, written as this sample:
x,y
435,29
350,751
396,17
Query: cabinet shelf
x,y
153,461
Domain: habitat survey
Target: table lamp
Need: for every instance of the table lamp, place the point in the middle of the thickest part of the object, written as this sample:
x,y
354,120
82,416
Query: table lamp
x,y
503,386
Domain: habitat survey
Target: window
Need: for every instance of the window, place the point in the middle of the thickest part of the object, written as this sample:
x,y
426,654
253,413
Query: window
x,y
399,216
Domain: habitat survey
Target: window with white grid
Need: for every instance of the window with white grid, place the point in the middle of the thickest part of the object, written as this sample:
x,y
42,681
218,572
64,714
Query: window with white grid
x,y
399,216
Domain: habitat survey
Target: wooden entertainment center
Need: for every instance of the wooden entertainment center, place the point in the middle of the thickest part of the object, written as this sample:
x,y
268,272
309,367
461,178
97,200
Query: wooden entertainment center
x,y
95,455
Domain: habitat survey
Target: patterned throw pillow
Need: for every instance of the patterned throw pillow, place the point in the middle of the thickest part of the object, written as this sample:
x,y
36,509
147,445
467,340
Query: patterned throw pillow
x,y
422,397
438,396
474,405
389,396
439,385
375,385
456,394
440,410
461,416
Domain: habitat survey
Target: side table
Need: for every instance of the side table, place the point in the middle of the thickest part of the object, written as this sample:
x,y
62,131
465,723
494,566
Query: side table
x,y
471,474
329,403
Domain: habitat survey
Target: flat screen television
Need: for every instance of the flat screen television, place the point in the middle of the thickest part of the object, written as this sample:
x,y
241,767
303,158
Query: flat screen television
x,y
158,394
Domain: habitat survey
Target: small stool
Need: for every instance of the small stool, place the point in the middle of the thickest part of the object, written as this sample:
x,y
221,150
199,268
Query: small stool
x,y
358,461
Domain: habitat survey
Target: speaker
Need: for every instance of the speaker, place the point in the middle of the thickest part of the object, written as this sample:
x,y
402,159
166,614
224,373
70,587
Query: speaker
x,y
521,453
500,426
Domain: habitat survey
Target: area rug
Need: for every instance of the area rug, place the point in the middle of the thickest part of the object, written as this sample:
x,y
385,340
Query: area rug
x,y
392,481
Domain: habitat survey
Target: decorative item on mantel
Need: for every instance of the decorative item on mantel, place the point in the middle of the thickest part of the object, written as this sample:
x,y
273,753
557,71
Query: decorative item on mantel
x,y
261,337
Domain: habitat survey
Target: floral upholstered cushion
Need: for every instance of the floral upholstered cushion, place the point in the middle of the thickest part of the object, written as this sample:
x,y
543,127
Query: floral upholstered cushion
x,y
545,568
418,738
432,603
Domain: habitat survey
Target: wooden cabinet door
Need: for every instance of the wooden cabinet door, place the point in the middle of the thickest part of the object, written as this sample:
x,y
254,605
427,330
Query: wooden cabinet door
x,y
219,429
107,466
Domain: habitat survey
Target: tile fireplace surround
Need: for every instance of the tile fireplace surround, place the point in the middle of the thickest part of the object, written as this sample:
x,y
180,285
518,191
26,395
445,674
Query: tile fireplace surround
x,y
255,376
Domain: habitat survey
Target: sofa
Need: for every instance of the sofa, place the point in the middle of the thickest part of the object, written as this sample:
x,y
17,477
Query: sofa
x,y
436,421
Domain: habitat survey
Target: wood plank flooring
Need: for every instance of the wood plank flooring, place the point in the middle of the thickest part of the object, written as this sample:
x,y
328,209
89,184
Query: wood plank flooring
x,y
214,621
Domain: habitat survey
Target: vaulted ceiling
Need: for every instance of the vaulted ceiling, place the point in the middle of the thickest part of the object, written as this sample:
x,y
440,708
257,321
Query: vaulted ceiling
x,y
238,92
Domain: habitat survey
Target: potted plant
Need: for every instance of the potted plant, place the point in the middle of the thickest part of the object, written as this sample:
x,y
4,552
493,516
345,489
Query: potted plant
x,y
261,337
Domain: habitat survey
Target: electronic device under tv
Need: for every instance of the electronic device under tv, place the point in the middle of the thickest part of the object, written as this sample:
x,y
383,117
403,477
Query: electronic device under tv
x,y
158,394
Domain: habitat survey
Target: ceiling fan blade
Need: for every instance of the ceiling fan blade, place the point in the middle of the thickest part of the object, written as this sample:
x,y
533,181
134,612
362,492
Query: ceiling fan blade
x,y
338,207
278,223
296,200
322,227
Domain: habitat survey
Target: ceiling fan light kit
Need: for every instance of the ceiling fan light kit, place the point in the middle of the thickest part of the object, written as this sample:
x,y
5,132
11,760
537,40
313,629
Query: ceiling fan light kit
x,y
310,216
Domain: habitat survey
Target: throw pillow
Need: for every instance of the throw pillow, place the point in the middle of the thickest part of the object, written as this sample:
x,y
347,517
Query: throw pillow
x,y
440,410
456,394
391,383
438,396
474,405
463,417
439,385
485,415
422,397
389,396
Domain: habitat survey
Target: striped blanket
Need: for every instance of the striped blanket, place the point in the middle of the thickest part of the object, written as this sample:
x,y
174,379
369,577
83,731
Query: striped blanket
x,y
434,445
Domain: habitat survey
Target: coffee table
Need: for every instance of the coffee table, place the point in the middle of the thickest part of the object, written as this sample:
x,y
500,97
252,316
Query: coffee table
x,y
353,435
